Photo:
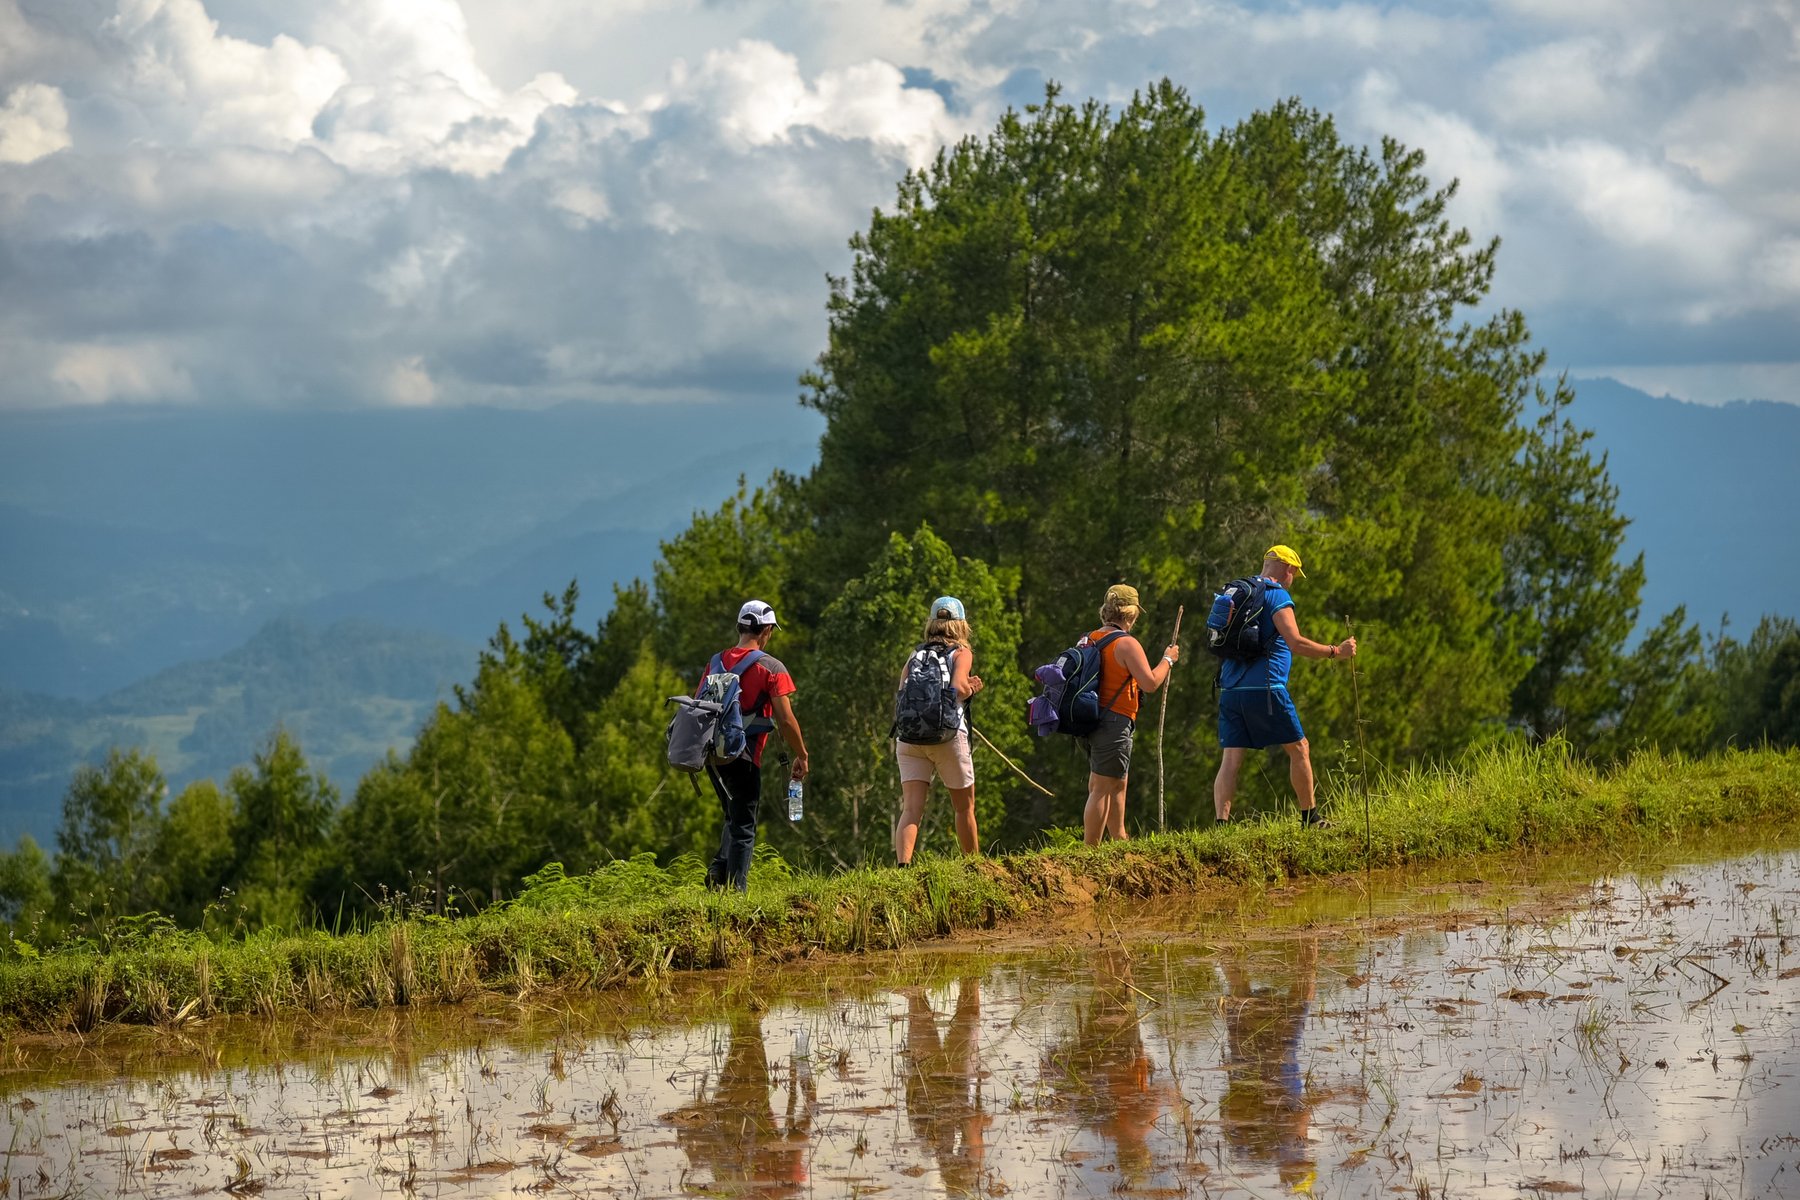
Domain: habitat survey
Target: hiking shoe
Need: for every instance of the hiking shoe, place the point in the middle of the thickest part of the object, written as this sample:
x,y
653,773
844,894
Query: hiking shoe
x,y
1310,820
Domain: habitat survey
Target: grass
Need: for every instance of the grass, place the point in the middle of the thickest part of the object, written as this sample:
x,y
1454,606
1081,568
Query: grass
x,y
636,920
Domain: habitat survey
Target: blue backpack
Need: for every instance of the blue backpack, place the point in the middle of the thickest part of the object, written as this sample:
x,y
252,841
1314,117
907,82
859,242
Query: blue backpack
x,y
1078,708
1240,626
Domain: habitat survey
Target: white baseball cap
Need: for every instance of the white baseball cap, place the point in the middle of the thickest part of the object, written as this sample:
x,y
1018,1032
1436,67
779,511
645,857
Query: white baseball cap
x,y
755,613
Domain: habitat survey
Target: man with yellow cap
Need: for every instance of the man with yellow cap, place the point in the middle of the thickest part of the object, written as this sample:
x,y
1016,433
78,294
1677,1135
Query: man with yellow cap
x,y
1255,710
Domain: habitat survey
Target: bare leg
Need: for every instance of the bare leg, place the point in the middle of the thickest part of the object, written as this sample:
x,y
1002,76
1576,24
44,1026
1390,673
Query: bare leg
x,y
1115,817
1300,772
1225,782
1093,817
962,803
912,811
1105,812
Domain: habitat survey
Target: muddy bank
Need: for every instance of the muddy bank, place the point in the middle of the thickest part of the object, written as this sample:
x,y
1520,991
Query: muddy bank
x,y
635,922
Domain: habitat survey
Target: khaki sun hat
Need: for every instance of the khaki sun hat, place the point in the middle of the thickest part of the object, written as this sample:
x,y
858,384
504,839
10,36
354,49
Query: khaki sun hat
x,y
1123,595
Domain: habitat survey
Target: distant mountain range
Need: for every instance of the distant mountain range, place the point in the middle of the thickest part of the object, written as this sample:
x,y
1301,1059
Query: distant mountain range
x,y
1714,499
184,580
347,692
130,542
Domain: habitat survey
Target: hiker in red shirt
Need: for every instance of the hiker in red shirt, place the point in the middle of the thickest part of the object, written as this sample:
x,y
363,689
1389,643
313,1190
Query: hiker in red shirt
x,y
764,687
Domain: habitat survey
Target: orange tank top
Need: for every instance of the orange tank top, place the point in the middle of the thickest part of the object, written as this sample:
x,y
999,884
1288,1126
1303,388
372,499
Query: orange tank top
x,y
1118,690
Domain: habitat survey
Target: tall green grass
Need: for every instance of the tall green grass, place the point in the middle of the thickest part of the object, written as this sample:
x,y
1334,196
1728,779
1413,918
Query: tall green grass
x,y
635,919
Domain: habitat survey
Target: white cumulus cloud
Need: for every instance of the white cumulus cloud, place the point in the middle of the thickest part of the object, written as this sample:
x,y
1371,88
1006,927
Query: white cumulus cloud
x,y
33,122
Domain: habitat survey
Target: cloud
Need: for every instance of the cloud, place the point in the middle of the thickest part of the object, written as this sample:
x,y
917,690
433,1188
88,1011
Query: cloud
x,y
421,201
33,123
96,374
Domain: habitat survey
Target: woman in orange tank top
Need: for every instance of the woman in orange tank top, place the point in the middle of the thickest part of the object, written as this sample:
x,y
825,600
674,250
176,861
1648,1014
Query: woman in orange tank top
x,y
1125,673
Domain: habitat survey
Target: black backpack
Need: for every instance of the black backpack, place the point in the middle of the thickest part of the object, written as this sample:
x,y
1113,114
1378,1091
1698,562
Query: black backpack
x,y
1078,708
926,709
1240,626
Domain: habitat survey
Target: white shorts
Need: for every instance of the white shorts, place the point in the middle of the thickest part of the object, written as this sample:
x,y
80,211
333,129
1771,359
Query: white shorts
x,y
949,760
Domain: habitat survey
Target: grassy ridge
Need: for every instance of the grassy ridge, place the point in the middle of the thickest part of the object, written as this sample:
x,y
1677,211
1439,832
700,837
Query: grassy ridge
x,y
635,919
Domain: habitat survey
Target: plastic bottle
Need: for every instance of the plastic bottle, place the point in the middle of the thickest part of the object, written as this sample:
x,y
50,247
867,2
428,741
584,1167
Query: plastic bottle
x,y
796,808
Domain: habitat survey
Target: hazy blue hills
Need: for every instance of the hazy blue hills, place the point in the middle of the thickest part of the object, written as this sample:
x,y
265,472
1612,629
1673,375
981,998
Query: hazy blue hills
x,y
348,692
1714,497
133,541
184,580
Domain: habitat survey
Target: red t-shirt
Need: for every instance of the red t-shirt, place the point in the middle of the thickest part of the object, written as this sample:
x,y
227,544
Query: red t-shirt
x,y
766,679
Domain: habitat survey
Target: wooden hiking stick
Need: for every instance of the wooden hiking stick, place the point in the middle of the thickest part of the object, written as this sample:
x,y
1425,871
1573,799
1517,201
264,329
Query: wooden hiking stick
x,y
1162,719
1361,748
1009,762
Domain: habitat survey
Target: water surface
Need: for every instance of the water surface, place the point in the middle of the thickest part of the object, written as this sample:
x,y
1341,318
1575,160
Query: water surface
x,y
1634,1034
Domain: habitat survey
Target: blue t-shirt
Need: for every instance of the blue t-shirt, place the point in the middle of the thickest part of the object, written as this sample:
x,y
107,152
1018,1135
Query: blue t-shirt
x,y
1271,670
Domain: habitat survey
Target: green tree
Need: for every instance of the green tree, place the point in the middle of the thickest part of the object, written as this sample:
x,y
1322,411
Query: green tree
x,y
1578,602
1096,346
494,774
389,841
862,642
635,803
743,550
626,633
1658,696
25,896
195,848
283,812
110,817
1753,684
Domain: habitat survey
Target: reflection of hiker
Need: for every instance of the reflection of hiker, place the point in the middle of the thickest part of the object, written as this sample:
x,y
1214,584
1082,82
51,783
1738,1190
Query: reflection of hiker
x,y
943,1085
1255,710
1124,673
765,686
1264,1110
1109,1071
733,1132
932,727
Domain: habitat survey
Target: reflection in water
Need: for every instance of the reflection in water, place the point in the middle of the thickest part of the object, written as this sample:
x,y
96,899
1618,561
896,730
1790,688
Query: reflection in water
x,y
1644,1044
1264,1110
943,1084
1106,1073
733,1132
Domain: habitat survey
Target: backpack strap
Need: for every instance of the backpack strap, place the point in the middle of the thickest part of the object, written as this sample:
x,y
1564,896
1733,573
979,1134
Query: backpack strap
x,y
1099,648
714,666
754,723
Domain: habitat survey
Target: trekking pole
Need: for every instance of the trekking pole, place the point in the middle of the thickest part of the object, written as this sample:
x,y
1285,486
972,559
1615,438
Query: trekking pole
x,y
1161,719
1009,762
1362,750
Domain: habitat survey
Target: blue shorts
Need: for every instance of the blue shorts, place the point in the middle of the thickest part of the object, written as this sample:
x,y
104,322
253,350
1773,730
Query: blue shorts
x,y
1252,718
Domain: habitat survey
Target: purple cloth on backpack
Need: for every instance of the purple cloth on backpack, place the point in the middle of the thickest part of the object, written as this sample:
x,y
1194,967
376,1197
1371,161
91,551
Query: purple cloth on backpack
x,y
1040,714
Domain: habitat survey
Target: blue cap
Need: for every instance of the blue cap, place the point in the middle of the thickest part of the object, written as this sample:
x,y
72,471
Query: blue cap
x,y
950,602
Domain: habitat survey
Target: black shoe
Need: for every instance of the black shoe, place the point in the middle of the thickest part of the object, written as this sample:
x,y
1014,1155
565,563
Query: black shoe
x,y
1310,819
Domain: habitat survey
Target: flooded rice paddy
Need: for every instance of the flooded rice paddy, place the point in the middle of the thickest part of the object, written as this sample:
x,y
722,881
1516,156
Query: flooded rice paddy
x,y
1632,1033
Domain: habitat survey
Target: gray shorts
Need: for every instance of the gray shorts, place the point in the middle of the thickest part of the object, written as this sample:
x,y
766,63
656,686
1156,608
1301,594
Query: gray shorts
x,y
1109,747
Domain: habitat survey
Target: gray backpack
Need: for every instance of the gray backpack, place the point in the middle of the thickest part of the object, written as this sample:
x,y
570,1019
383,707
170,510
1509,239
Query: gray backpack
x,y
927,711
709,728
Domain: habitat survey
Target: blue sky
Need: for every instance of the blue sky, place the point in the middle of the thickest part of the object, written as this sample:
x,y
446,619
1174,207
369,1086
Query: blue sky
x,y
413,202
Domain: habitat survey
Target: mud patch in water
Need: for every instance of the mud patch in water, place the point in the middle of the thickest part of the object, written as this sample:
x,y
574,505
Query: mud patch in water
x,y
1643,1042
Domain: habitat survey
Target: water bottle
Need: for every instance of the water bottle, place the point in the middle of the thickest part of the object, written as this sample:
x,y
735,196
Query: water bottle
x,y
795,807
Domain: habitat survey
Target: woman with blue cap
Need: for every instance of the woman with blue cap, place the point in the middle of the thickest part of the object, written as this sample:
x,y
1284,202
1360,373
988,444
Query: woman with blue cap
x,y
931,726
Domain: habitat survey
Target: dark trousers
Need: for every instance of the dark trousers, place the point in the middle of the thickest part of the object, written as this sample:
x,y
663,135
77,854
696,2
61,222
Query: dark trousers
x,y
739,787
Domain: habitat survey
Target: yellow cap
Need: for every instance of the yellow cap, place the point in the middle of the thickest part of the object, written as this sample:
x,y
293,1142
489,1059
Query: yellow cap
x,y
1123,595
1286,554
